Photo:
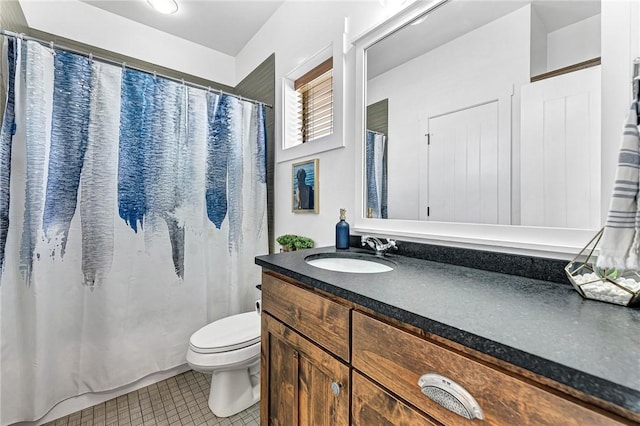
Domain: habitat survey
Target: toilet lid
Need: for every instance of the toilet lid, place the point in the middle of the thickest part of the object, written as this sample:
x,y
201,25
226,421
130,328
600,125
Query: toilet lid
x,y
227,334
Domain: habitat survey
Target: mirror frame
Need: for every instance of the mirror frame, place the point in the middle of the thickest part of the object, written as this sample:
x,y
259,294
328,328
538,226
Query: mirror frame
x,y
526,240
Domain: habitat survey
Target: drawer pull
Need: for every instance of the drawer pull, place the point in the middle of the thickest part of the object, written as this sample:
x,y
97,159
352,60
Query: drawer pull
x,y
450,395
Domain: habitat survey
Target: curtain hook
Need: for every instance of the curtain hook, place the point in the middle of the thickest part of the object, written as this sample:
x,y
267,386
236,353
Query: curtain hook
x,y
90,56
155,75
124,66
21,35
51,45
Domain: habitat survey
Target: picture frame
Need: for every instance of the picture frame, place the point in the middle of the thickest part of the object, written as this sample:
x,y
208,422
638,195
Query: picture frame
x,y
305,194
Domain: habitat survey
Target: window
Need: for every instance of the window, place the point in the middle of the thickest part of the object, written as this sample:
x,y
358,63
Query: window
x,y
315,102
314,113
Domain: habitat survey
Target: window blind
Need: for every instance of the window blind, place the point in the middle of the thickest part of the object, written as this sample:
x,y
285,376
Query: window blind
x,y
315,102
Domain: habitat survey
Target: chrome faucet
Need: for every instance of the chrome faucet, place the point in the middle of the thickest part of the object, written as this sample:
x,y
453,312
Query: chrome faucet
x,y
378,246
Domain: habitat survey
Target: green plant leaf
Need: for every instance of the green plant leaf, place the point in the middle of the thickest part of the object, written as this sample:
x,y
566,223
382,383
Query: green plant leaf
x,y
607,273
295,242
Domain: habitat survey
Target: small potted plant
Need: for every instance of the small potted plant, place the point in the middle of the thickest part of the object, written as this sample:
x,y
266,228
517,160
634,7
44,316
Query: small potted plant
x,y
290,242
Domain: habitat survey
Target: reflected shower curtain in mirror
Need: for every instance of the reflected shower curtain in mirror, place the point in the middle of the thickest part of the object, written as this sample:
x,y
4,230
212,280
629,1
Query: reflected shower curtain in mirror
x,y
376,175
131,209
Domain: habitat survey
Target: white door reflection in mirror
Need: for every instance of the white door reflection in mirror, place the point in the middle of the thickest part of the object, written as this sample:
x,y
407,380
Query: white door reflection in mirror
x,y
462,164
560,151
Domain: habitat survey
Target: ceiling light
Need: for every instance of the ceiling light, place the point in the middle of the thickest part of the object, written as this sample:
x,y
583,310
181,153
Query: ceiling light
x,y
164,6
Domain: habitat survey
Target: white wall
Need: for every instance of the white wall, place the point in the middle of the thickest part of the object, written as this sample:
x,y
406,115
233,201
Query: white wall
x,y
294,38
538,44
478,67
82,22
574,43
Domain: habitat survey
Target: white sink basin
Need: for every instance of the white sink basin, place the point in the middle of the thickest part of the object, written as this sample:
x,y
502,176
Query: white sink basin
x,y
356,265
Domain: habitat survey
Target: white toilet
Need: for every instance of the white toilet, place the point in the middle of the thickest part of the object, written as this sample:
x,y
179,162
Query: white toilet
x,y
230,350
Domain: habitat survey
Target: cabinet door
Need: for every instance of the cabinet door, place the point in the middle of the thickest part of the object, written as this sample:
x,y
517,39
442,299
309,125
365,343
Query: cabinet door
x,y
301,384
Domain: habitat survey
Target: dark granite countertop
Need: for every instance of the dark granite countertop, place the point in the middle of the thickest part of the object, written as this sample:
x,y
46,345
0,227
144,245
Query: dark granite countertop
x,y
542,326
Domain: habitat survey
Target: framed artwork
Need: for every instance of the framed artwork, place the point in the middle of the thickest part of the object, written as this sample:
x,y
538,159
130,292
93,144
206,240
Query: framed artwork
x,y
305,194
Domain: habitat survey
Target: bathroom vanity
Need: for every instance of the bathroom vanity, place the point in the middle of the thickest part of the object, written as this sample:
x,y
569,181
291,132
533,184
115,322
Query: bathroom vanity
x,y
343,348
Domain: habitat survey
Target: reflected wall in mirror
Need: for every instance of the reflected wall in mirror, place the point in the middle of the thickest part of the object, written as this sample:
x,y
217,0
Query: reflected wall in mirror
x,y
493,116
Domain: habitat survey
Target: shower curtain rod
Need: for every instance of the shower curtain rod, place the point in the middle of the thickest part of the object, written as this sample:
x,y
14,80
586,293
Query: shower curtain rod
x,y
91,56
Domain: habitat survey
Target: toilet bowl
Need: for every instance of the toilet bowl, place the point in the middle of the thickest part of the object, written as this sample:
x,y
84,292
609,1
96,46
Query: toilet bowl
x,y
229,349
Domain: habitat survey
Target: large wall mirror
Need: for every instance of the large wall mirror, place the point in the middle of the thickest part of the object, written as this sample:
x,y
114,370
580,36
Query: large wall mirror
x,y
483,116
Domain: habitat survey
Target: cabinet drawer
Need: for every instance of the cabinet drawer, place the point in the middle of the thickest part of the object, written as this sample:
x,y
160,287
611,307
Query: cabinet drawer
x,y
372,405
397,359
321,320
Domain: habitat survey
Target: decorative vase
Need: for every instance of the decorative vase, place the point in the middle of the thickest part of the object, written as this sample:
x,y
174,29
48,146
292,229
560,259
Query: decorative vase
x,y
606,285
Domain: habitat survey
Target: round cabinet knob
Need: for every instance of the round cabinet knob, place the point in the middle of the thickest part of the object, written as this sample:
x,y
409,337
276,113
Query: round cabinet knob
x,y
335,388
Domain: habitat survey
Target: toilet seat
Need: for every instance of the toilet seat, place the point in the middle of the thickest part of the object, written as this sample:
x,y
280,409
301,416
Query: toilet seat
x,y
227,334
229,350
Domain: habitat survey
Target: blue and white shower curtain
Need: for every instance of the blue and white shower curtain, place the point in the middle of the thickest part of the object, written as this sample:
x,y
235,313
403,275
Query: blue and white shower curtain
x,y
131,209
376,174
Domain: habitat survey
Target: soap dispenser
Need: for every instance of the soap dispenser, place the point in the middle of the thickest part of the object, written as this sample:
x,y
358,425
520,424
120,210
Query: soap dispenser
x,y
342,232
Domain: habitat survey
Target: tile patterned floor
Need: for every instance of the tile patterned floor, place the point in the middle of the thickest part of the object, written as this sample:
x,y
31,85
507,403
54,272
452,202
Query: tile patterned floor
x,y
177,401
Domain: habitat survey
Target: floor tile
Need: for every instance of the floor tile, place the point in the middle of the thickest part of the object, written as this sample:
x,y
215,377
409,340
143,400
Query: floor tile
x,y
178,401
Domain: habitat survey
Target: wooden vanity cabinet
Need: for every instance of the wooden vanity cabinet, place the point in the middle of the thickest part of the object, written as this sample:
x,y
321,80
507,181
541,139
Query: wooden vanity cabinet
x,y
303,379
328,362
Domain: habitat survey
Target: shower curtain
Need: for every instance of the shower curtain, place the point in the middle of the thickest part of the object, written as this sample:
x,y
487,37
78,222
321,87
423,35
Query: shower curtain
x,y
131,209
376,174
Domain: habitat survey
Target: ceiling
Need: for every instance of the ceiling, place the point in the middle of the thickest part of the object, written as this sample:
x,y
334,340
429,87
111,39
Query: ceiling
x,y
222,25
467,15
227,25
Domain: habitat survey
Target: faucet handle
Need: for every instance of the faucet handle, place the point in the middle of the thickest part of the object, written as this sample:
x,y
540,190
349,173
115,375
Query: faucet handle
x,y
392,243
367,239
